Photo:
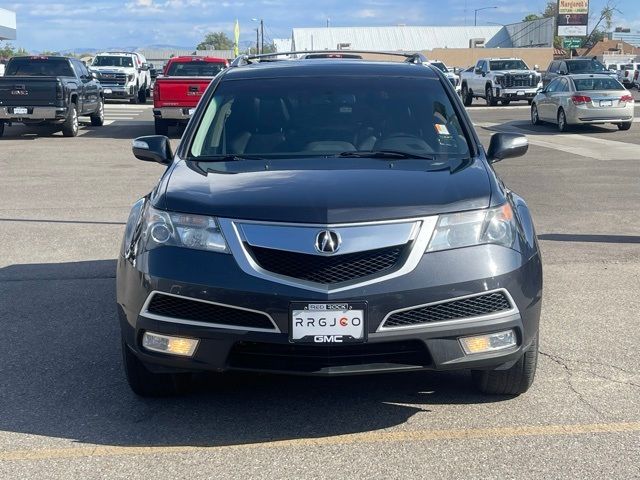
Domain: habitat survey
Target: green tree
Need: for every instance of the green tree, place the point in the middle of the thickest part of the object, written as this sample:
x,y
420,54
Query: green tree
x,y
531,17
268,48
550,10
216,41
604,23
7,50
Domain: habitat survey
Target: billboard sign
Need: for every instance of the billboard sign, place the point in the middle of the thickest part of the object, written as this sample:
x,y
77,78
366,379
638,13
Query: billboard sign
x,y
573,18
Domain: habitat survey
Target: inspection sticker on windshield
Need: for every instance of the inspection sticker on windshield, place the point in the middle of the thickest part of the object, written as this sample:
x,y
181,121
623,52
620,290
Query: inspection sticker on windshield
x,y
441,129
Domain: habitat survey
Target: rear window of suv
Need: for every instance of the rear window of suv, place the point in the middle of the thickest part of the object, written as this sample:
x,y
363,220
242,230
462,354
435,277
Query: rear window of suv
x,y
195,69
578,66
39,67
324,116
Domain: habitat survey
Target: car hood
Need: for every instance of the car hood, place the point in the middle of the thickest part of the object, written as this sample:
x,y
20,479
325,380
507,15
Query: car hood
x,y
326,196
114,69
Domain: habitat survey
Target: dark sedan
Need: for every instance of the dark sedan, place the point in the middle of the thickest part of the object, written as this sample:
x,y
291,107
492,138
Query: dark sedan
x,y
329,217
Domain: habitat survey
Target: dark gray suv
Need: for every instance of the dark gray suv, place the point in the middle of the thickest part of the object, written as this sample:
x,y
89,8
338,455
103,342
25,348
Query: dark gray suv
x,y
329,217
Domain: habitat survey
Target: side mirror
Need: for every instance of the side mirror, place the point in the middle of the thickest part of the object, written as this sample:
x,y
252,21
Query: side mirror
x,y
507,145
145,66
153,148
536,68
477,71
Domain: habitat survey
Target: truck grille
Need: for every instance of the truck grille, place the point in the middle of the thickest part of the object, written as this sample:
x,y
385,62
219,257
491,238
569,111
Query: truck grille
x,y
327,270
315,359
113,79
181,308
520,80
464,308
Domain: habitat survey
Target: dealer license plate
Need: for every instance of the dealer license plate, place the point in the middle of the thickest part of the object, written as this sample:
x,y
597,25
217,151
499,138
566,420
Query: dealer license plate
x,y
107,91
20,111
520,93
322,323
606,103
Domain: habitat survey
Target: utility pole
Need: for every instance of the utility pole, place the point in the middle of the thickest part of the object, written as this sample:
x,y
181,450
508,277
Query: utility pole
x,y
262,35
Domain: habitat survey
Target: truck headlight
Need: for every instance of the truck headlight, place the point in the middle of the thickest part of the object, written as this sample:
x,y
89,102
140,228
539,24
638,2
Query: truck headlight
x,y
494,225
198,232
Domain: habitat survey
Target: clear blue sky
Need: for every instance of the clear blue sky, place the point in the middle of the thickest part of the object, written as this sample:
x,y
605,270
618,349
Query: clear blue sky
x,y
67,24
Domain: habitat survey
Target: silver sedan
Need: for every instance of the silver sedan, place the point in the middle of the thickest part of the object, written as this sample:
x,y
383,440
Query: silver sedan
x,y
583,99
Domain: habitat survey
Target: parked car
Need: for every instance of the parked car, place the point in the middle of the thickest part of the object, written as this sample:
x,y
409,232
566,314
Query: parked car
x,y
500,79
124,75
177,92
627,74
267,245
448,72
46,90
583,99
573,67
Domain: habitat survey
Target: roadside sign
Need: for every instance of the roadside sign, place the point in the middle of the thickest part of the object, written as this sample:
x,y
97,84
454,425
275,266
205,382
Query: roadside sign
x,y
571,42
573,17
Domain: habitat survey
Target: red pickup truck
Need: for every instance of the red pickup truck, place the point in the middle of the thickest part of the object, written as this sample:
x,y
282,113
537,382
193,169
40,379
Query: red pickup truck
x,y
178,90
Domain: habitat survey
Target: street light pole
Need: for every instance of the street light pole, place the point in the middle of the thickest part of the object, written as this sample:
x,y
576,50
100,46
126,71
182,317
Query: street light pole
x,y
257,41
262,35
475,14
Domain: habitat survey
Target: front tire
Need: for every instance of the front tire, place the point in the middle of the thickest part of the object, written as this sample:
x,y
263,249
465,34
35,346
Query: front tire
x,y
488,95
562,121
161,126
142,95
148,384
97,118
535,116
70,125
624,126
513,381
1,129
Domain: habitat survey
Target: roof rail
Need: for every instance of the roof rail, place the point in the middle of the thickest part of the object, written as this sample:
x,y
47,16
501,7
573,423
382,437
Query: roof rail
x,y
410,57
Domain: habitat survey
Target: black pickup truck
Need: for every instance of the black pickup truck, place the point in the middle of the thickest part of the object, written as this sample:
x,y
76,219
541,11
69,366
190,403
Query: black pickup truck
x,y
49,90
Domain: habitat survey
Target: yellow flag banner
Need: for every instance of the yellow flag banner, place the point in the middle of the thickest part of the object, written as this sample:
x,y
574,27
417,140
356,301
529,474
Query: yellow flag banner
x,y
236,45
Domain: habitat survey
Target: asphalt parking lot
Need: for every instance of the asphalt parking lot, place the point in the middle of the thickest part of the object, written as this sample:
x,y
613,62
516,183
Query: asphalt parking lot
x,y
67,412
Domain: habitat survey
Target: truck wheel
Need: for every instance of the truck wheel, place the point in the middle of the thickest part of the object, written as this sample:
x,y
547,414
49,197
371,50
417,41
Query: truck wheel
x,y
1,128
142,95
148,384
513,381
70,125
467,98
162,128
505,102
488,95
97,117
621,126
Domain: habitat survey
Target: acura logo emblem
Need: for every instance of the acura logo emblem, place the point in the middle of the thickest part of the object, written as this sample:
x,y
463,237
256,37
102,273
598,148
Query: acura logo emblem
x,y
328,241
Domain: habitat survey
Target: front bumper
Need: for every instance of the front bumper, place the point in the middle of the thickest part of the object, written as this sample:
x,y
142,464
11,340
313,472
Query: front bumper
x,y
435,346
33,113
119,91
173,113
524,93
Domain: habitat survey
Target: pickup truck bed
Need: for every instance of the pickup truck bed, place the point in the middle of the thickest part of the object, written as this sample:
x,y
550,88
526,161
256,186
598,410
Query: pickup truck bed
x,y
175,95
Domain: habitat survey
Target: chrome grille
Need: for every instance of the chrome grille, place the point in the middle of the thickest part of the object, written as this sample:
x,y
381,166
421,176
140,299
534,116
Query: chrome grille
x,y
520,80
327,269
470,307
113,79
181,308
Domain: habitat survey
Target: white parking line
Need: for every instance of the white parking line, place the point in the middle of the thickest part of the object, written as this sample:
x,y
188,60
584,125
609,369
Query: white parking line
x,y
576,144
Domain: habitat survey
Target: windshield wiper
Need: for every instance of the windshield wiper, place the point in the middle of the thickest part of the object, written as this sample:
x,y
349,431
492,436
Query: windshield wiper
x,y
233,157
385,154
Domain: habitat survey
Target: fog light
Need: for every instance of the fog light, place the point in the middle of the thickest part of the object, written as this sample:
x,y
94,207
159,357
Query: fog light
x,y
173,345
489,343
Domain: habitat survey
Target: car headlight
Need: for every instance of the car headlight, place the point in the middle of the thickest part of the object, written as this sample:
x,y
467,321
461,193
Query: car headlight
x,y
478,227
499,79
198,232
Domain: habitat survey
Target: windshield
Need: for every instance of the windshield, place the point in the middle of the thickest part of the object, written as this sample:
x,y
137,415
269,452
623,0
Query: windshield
x,y
47,67
585,66
508,65
197,68
440,66
607,83
106,61
324,116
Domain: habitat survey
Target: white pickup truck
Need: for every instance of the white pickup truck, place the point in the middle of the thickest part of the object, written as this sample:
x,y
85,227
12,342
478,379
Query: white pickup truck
x,y
500,79
123,75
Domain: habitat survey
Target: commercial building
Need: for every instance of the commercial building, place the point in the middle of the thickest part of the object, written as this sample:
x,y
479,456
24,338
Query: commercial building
x,y
7,24
626,35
